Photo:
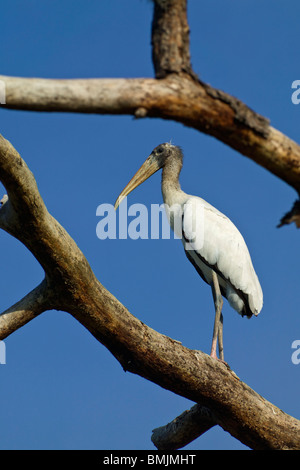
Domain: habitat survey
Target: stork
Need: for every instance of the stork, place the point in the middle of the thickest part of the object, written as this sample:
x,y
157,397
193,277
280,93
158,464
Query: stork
x,y
212,243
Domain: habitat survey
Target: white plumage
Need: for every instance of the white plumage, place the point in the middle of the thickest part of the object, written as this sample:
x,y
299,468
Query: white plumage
x,y
211,241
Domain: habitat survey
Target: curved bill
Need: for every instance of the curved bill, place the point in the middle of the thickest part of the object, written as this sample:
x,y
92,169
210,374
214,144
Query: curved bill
x,y
149,167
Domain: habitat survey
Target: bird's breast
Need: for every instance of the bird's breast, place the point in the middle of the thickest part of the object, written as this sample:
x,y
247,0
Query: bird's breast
x,y
174,201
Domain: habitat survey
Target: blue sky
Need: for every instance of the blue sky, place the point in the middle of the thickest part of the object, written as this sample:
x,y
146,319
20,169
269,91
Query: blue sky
x,y
60,388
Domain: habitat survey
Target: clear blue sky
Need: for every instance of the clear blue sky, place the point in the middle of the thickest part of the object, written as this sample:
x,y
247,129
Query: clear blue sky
x,y
60,388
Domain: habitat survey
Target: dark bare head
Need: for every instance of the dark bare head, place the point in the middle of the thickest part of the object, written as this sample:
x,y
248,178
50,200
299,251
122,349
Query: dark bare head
x,y
167,153
166,156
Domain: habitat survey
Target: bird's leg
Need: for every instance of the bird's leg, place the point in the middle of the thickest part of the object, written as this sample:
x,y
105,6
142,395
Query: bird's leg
x,y
218,324
220,338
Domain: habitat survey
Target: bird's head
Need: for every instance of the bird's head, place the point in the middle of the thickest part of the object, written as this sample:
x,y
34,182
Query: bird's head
x,y
159,157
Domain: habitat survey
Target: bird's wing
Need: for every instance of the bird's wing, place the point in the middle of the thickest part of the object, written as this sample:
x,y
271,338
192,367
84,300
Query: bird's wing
x,y
219,244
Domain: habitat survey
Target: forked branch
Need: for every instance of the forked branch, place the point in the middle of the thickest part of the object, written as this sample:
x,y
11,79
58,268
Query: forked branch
x,y
70,285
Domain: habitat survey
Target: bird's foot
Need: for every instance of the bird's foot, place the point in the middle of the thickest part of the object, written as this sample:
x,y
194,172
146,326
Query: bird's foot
x,y
213,354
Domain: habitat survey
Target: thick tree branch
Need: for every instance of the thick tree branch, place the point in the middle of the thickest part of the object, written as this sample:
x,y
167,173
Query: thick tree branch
x,y
181,99
70,285
170,38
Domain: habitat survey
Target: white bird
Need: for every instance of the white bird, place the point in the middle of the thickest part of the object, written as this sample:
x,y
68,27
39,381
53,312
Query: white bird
x,y
211,241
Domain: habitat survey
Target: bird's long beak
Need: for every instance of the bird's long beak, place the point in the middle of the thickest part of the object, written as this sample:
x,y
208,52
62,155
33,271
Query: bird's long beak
x,y
149,167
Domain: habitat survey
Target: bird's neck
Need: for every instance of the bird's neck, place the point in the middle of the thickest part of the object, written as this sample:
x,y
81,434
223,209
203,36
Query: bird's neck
x,y
171,190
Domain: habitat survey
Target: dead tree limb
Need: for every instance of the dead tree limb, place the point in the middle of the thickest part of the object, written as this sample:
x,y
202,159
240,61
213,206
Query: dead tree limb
x,y
184,429
177,98
70,285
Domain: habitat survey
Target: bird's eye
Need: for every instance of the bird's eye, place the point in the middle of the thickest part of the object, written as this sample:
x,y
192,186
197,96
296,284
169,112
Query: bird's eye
x,y
160,150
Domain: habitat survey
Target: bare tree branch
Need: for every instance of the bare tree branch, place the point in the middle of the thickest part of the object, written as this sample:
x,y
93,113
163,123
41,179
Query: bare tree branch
x,y
70,285
32,305
184,429
292,216
170,38
179,98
